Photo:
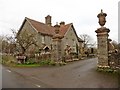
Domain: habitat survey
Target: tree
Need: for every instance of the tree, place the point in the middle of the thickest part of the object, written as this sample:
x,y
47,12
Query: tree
x,y
7,44
25,40
87,40
115,44
1,40
4,44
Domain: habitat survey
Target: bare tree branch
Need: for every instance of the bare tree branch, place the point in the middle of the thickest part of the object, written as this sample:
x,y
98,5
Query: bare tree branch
x,y
25,40
87,39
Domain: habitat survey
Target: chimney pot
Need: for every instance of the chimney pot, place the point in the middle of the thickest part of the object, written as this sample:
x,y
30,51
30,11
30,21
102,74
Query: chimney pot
x,y
62,23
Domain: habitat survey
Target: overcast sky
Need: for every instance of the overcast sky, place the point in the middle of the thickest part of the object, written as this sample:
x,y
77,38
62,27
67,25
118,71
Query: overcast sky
x,y
82,13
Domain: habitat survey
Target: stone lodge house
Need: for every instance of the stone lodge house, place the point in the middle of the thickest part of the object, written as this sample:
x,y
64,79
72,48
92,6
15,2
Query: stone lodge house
x,y
44,32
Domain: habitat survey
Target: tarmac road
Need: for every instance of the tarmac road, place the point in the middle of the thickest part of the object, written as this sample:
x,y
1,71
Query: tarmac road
x,y
12,79
78,74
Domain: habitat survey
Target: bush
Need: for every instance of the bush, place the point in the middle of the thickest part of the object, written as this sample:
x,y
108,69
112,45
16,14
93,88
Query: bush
x,y
30,61
106,69
52,63
45,62
8,59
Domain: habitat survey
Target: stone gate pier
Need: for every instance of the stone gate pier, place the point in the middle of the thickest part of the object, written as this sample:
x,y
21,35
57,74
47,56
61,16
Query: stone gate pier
x,y
102,40
56,52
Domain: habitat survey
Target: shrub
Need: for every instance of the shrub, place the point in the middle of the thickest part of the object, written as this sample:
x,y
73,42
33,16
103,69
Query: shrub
x,y
106,69
45,62
8,59
52,63
30,61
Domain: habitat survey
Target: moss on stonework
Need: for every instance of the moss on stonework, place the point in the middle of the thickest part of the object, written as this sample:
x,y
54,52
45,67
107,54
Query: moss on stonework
x,y
107,69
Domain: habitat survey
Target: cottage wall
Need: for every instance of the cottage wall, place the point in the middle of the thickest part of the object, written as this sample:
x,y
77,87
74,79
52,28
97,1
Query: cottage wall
x,y
48,41
70,39
28,29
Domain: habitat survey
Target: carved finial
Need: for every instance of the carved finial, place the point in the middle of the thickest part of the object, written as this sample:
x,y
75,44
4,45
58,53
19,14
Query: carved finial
x,y
57,28
102,19
102,11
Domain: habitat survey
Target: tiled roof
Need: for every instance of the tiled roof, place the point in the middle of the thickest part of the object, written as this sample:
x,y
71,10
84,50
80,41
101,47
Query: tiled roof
x,y
48,30
41,27
64,29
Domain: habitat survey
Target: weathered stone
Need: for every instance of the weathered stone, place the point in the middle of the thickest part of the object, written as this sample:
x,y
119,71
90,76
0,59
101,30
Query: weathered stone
x,y
101,17
56,53
102,39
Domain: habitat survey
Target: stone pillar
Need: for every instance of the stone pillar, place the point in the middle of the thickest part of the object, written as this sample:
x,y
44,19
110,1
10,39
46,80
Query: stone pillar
x,y
56,52
102,39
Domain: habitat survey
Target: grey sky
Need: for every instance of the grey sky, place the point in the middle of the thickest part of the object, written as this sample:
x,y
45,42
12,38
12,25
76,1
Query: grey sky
x,y
82,13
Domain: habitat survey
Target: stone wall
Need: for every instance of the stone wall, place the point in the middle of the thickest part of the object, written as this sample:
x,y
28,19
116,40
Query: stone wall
x,y
71,40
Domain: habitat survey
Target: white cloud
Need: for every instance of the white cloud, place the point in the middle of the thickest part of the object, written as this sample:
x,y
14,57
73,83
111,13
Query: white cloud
x,y
82,13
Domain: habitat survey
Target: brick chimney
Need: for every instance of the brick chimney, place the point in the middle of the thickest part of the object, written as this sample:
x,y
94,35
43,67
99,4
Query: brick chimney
x,y
48,20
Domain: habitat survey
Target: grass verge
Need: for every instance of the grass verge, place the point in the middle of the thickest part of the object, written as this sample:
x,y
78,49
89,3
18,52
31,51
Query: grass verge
x,y
29,65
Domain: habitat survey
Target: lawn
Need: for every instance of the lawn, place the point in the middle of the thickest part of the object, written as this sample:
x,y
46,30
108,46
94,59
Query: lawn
x,y
27,65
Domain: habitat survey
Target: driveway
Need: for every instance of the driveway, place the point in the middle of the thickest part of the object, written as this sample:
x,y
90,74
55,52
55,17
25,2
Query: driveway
x,y
78,74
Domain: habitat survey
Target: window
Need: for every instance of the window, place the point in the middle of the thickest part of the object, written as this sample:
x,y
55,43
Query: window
x,y
74,46
43,39
74,43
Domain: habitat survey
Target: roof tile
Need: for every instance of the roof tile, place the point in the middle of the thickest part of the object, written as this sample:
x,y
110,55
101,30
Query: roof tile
x,y
48,30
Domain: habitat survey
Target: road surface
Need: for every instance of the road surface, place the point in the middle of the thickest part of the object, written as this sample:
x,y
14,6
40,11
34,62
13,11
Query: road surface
x,y
0,76
13,79
78,74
